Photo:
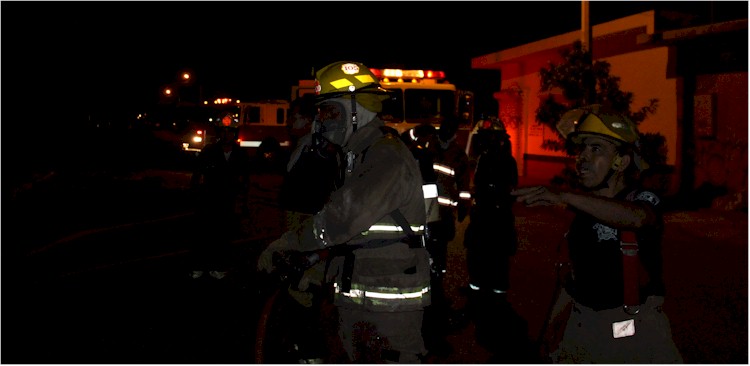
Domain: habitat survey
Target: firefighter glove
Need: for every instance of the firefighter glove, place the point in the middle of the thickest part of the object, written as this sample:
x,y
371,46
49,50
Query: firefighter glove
x,y
288,241
312,276
304,298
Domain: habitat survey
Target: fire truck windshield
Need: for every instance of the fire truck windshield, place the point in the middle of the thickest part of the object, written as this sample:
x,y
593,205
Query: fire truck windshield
x,y
418,106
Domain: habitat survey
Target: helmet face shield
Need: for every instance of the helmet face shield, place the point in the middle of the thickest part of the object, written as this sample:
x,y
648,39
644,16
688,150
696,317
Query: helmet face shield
x,y
568,122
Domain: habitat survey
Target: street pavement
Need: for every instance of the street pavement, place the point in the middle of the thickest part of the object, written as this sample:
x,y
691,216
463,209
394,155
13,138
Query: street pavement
x,y
147,310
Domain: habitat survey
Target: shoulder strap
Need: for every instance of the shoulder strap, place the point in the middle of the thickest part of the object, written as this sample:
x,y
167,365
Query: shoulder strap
x,y
629,248
401,220
414,241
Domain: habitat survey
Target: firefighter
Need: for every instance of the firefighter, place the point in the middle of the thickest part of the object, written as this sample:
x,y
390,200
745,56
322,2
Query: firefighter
x,y
491,241
371,226
601,326
221,179
451,167
490,237
444,166
423,144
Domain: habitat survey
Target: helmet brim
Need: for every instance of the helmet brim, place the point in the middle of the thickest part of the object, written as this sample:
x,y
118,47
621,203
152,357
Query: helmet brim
x,y
374,89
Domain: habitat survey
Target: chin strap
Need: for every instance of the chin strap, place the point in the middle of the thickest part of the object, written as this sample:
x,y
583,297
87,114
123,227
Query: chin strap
x,y
354,113
616,162
605,182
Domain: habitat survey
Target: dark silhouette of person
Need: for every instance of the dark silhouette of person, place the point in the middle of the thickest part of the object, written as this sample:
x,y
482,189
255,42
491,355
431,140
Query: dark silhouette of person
x,y
221,181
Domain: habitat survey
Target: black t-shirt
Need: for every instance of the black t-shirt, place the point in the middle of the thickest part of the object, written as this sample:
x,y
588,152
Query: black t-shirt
x,y
595,254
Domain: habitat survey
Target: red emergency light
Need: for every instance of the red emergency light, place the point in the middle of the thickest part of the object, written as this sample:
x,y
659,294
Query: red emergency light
x,y
408,74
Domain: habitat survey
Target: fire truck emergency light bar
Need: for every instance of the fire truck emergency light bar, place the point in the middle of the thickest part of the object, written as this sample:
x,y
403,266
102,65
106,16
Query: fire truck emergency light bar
x,y
415,74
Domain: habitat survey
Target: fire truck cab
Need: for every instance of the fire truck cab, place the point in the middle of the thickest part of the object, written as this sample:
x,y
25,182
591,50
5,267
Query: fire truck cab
x,y
424,96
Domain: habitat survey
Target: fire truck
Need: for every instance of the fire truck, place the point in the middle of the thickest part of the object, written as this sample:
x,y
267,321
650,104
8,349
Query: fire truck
x,y
417,97
261,120
255,121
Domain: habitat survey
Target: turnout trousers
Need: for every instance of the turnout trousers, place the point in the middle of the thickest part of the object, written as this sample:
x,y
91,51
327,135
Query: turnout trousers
x,y
377,337
588,336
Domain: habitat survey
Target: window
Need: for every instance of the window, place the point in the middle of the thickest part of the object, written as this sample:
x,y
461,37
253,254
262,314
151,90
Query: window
x,y
429,104
393,108
252,114
419,106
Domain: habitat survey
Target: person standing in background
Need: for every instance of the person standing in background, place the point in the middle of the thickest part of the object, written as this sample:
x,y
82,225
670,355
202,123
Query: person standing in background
x,y
491,241
221,180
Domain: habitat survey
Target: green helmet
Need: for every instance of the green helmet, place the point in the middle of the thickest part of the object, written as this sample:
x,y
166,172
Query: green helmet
x,y
346,78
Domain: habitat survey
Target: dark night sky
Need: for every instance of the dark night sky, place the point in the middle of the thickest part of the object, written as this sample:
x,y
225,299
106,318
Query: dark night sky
x,y
68,60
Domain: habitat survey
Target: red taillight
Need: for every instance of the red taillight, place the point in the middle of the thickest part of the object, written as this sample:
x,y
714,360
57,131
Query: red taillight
x,y
487,124
430,74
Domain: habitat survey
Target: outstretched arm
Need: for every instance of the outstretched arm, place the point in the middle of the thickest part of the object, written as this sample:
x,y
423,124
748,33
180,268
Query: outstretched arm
x,y
618,213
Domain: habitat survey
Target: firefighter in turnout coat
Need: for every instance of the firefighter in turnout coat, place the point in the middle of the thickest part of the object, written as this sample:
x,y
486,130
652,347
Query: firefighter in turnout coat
x,y
372,224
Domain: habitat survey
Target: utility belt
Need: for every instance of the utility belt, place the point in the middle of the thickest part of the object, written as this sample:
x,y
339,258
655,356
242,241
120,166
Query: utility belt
x,y
649,301
598,301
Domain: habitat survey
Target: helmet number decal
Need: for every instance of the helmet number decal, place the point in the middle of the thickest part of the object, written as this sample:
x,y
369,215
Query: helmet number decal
x,y
350,69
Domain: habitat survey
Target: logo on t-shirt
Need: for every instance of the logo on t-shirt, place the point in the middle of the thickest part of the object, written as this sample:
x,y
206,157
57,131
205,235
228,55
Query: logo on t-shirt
x,y
604,232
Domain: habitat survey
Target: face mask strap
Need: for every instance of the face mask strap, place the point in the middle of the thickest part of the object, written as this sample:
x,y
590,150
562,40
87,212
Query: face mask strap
x,y
318,141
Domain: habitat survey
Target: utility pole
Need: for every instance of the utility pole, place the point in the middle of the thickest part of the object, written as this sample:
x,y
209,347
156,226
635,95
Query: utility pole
x,y
587,41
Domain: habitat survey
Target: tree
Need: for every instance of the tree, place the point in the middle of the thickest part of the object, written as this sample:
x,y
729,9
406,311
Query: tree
x,y
573,77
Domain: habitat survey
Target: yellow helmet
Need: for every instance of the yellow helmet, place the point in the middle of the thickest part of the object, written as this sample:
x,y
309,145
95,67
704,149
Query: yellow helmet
x,y
347,77
595,120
